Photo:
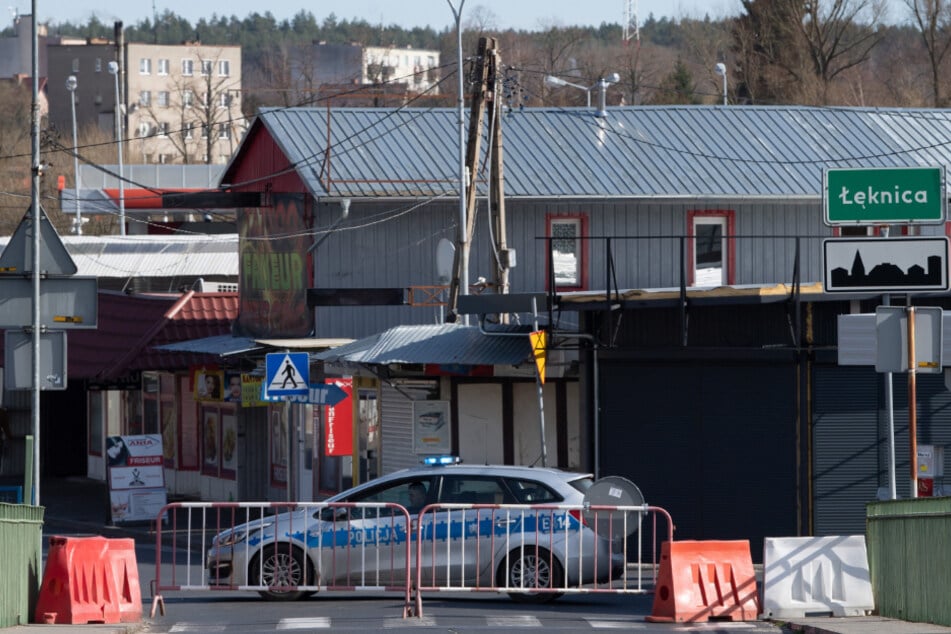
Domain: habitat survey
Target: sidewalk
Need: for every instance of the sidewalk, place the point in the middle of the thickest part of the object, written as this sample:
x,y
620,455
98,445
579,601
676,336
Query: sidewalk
x,y
79,506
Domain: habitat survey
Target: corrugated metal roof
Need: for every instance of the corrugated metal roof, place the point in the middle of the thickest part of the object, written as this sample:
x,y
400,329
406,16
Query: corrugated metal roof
x,y
642,151
152,256
446,344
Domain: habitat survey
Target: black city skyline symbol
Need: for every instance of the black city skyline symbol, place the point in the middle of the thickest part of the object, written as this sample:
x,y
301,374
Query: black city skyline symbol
x,y
888,274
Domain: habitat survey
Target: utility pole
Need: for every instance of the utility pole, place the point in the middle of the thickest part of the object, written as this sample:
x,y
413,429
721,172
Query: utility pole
x,y
473,149
505,258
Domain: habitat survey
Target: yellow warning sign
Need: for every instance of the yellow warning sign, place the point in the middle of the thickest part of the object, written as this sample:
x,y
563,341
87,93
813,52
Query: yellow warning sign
x,y
538,339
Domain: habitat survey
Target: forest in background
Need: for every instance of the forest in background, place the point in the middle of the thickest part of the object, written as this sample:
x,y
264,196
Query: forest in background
x,y
777,52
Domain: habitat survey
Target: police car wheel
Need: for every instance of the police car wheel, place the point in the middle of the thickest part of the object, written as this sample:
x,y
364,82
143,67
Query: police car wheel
x,y
280,566
531,567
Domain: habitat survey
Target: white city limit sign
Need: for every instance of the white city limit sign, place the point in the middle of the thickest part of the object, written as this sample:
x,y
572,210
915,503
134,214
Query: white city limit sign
x,y
885,264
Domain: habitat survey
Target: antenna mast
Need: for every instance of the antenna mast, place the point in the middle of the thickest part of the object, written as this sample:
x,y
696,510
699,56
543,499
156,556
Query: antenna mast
x,y
630,29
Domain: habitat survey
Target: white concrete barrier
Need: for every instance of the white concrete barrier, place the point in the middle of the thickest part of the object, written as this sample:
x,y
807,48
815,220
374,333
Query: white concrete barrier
x,y
814,576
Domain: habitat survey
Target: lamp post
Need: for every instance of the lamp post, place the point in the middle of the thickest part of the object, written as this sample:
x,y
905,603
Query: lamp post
x,y
71,85
602,84
114,70
720,69
462,237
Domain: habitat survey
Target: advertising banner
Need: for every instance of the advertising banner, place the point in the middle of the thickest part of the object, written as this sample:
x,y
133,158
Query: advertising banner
x,y
136,477
339,428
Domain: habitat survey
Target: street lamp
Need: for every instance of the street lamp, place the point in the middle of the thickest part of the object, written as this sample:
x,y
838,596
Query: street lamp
x,y
602,84
720,69
71,85
114,70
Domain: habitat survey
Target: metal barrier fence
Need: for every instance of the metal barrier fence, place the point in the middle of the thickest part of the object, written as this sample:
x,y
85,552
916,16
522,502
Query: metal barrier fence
x,y
285,550
535,552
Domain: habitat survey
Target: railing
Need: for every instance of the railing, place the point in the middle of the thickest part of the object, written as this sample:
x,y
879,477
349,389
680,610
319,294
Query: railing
x,y
283,549
536,550
288,550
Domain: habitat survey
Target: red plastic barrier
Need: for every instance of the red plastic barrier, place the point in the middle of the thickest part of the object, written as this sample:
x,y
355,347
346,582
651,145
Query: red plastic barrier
x,y
700,580
89,580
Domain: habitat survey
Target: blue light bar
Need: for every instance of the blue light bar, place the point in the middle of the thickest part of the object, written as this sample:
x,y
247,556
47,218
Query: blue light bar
x,y
435,461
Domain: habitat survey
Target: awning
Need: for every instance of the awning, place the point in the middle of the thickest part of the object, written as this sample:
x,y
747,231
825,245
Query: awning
x,y
446,344
228,345
222,345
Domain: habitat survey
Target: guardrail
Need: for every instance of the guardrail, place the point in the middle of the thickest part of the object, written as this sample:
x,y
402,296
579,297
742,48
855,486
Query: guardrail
x,y
283,549
287,550
535,552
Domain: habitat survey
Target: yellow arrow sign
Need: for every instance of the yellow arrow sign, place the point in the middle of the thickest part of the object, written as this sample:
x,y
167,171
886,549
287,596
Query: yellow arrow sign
x,y
539,351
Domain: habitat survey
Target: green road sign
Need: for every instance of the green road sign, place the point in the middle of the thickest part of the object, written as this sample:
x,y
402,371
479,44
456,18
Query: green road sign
x,y
894,195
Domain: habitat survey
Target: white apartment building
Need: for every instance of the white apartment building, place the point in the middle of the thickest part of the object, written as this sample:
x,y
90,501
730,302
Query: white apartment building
x,y
417,69
178,103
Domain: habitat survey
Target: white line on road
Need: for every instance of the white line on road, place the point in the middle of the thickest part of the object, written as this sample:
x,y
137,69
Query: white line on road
x,y
307,623
518,620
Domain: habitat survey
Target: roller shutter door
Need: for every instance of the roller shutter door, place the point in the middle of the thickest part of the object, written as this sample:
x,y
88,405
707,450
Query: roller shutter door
x,y
713,444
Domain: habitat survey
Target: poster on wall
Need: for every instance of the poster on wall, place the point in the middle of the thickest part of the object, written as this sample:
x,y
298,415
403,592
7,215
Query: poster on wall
x,y
210,434
229,445
431,428
339,427
209,384
136,477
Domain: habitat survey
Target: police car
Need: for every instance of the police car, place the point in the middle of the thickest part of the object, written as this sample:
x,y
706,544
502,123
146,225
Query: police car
x,y
359,546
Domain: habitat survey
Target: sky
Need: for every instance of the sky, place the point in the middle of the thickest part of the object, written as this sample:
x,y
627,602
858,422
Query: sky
x,y
521,14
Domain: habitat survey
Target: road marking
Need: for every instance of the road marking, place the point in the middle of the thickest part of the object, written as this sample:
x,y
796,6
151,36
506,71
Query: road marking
x,y
518,620
600,624
196,627
423,621
306,623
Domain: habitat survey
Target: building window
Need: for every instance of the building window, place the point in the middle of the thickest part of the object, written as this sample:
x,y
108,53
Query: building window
x,y
75,64
98,64
206,65
145,66
204,132
145,98
224,99
188,67
188,98
187,132
163,128
163,98
145,128
224,131
710,249
163,159
224,68
567,260
163,67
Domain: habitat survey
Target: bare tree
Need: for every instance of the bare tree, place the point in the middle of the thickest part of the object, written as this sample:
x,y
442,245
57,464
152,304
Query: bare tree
x,y
933,19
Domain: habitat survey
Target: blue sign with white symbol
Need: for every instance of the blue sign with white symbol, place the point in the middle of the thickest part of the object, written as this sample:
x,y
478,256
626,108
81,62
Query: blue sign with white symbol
x,y
321,394
287,374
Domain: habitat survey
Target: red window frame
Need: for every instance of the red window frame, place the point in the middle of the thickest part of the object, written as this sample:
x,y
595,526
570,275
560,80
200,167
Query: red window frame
x,y
729,239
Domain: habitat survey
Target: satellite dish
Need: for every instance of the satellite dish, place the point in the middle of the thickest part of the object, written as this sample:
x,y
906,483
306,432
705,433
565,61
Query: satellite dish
x,y
445,252
613,491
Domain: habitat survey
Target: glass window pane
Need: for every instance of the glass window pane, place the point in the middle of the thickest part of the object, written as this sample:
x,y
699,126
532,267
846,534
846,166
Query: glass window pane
x,y
709,246
565,252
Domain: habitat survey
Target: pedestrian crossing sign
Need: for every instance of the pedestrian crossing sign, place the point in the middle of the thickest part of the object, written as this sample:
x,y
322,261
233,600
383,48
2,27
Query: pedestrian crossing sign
x,y
287,374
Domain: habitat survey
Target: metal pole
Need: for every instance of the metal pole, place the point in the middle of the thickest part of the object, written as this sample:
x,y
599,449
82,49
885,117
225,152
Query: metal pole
x,y
912,407
463,238
114,69
71,87
37,216
890,407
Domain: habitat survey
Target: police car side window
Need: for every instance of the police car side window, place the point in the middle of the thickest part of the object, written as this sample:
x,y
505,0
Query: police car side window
x,y
531,492
473,490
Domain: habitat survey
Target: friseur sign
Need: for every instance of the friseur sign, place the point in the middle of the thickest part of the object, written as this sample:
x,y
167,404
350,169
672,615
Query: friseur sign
x,y
894,195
